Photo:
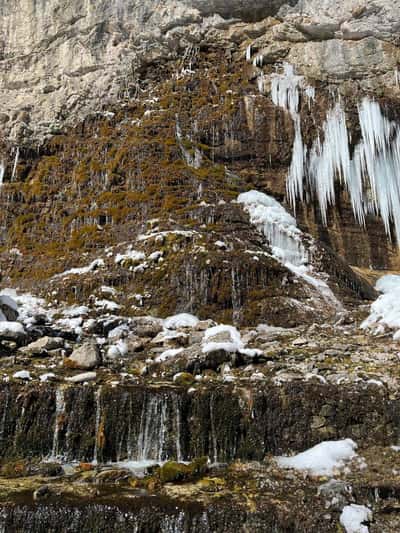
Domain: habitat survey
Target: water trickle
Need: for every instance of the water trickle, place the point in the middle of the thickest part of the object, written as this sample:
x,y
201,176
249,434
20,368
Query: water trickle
x,y
97,426
152,432
59,418
3,418
178,423
214,440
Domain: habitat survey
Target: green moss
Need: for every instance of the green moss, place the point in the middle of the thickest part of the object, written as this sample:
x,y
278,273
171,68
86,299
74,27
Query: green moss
x,y
172,471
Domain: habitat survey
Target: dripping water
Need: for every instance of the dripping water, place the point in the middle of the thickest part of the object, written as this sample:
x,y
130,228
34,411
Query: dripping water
x,y
60,412
97,426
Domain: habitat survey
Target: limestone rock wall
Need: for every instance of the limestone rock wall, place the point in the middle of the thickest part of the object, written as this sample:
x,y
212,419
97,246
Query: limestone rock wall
x,y
62,59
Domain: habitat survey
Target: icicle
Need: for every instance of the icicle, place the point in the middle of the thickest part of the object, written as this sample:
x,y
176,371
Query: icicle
x,y
286,89
372,176
330,159
261,84
14,171
294,182
249,51
2,171
258,61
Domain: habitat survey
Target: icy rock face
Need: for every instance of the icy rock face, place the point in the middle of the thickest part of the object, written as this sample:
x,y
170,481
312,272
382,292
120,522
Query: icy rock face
x,y
289,245
370,173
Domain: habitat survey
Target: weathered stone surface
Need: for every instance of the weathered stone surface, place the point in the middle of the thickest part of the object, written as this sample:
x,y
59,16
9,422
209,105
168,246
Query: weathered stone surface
x,y
89,52
43,346
81,378
8,308
85,357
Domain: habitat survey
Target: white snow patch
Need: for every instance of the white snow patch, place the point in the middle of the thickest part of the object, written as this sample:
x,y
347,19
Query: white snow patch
x,y
233,345
130,255
285,238
353,517
107,305
181,320
11,328
323,459
46,377
75,311
28,306
119,349
168,354
22,374
385,311
94,265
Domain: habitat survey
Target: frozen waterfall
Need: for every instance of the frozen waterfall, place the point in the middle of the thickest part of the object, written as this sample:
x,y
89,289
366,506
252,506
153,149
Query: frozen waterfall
x,y
371,174
286,240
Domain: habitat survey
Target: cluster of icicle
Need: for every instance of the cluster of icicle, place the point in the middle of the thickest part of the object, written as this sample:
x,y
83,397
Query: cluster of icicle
x,y
371,175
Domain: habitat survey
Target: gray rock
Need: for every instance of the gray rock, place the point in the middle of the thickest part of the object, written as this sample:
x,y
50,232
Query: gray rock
x,y
336,493
81,378
85,357
42,493
8,308
147,326
12,331
300,341
43,346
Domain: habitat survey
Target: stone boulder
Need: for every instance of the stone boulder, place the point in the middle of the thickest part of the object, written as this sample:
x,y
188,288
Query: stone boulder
x,y
8,308
12,331
85,357
43,346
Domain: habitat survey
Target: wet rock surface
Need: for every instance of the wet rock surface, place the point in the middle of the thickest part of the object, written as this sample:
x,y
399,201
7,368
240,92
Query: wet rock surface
x,y
113,440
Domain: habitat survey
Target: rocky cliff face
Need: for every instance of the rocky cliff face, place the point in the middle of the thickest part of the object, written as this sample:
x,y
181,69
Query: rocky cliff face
x,y
202,193
61,60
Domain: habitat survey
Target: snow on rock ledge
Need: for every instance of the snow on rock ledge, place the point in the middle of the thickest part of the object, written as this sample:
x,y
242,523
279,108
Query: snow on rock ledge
x,y
385,311
323,459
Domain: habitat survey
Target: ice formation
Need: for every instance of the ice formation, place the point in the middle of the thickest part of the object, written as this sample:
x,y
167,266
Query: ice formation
x,y
371,174
285,238
286,91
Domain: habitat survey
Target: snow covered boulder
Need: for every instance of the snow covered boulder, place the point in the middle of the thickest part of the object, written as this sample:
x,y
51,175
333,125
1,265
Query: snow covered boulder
x,y
12,331
148,326
8,308
222,339
86,357
182,320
